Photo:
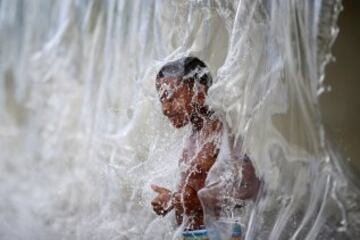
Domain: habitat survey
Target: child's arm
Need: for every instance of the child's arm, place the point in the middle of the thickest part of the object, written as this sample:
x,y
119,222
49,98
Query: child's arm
x,y
196,176
250,183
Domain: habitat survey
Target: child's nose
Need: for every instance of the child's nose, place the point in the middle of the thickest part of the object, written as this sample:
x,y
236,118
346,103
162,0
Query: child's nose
x,y
166,108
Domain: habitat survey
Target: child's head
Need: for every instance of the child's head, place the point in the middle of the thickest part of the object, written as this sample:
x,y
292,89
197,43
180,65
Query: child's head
x,y
182,86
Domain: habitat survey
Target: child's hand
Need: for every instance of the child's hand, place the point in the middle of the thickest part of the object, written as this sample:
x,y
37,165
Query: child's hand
x,y
250,183
161,201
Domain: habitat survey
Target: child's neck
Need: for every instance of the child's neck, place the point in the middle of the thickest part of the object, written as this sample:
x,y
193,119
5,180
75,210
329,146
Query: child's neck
x,y
200,118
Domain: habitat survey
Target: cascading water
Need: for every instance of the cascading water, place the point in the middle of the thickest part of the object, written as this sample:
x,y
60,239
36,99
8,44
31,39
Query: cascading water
x,y
83,137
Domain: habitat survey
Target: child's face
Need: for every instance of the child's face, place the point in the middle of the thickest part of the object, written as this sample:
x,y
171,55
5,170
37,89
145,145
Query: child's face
x,y
175,98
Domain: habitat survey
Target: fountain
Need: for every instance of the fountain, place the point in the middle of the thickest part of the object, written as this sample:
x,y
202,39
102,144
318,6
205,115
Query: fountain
x,y
83,138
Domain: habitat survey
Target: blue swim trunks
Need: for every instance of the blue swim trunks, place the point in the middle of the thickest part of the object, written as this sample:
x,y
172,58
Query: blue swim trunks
x,y
202,234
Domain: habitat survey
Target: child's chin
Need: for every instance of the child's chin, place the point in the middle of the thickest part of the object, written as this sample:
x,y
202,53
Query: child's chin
x,y
178,124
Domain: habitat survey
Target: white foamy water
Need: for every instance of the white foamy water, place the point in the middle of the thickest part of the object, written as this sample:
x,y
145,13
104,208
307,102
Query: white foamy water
x,y
83,137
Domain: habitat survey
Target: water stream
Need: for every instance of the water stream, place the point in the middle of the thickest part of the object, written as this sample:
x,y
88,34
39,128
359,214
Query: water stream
x,y
83,137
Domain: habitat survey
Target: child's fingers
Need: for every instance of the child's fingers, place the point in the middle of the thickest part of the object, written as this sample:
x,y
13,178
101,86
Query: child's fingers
x,y
156,188
155,203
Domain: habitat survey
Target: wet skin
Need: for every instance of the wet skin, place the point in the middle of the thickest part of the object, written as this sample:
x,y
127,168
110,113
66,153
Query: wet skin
x,y
182,106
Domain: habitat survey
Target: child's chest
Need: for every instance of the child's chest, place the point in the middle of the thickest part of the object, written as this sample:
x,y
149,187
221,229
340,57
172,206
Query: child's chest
x,y
191,149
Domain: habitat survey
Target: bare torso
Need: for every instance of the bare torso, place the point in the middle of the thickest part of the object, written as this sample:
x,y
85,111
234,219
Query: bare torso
x,y
198,156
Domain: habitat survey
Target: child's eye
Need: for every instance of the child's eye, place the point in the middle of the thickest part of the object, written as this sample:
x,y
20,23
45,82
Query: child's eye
x,y
164,95
167,94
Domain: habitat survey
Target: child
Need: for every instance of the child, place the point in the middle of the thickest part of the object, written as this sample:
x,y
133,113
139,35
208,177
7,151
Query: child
x,y
182,86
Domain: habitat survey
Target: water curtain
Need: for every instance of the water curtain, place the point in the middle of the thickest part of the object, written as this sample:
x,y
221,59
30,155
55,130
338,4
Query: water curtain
x,y
83,137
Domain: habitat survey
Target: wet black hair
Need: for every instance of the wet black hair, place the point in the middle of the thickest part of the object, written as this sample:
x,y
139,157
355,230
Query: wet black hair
x,y
188,69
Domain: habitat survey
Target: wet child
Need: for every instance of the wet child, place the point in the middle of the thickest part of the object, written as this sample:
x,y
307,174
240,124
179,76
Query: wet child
x,y
182,86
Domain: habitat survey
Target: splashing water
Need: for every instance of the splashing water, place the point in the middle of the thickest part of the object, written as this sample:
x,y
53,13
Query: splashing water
x,y
83,137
